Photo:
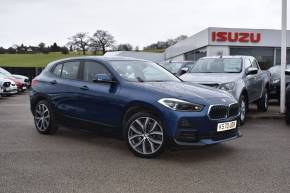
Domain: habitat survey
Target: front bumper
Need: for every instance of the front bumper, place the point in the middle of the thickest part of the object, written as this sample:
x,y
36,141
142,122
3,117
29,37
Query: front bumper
x,y
196,128
10,90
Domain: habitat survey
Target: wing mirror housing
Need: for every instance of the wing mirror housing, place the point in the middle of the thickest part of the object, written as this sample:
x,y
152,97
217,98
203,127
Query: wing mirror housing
x,y
287,71
184,70
103,78
251,71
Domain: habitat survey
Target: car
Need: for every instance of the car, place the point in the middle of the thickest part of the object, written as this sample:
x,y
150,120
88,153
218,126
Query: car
x,y
124,94
22,82
178,68
239,75
7,86
275,72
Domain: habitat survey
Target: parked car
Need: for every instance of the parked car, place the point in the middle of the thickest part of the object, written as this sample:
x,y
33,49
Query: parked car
x,y
7,86
275,81
22,82
178,68
239,75
125,94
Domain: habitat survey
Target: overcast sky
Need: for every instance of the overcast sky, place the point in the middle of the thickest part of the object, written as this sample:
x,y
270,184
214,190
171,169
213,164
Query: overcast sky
x,y
139,22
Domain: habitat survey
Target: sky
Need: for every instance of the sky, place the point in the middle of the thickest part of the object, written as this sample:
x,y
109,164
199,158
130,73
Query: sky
x,y
138,22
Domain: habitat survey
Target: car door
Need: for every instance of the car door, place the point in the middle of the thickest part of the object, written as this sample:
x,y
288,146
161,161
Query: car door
x,y
258,79
63,84
99,101
250,81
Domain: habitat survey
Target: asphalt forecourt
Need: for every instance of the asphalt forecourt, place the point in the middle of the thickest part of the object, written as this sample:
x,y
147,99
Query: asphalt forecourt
x,y
75,160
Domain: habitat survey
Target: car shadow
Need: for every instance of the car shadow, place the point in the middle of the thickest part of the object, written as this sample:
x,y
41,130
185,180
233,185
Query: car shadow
x,y
107,139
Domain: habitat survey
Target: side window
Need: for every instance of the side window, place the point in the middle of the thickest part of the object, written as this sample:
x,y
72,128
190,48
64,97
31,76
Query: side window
x,y
247,63
91,69
254,64
57,70
70,70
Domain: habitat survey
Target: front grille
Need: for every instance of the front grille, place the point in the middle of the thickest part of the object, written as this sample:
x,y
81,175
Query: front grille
x,y
218,112
234,110
222,111
6,84
187,136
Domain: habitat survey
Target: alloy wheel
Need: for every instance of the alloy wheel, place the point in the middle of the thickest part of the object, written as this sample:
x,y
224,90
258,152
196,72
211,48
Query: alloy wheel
x,y
243,110
145,135
42,117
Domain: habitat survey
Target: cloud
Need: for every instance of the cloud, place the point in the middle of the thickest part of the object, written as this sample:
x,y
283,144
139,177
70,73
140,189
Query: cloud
x,y
139,22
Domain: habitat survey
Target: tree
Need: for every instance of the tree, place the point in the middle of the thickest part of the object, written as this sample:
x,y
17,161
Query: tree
x,y
165,44
80,41
124,47
41,46
103,39
55,48
64,50
2,50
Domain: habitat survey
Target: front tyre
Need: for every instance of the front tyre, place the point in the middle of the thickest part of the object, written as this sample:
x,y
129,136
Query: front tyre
x,y
44,119
145,135
262,104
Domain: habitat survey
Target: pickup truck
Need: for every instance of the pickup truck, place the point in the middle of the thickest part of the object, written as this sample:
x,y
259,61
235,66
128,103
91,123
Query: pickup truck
x,y
239,75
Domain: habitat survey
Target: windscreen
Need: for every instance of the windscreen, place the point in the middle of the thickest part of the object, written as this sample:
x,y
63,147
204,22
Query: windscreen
x,y
218,65
142,71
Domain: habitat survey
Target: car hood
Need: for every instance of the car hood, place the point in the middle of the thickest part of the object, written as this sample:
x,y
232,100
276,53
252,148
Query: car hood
x,y
218,78
188,91
2,80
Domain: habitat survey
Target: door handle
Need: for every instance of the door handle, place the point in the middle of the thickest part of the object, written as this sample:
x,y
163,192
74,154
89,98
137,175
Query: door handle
x,y
85,88
53,82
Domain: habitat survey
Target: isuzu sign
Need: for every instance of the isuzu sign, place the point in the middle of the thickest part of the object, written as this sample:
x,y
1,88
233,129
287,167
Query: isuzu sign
x,y
243,37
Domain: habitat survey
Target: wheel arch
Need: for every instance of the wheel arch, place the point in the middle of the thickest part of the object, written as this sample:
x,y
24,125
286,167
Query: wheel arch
x,y
137,106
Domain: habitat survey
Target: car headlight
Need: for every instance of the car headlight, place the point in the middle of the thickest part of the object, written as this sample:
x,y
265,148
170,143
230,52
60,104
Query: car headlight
x,y
275,81
227,86
180,105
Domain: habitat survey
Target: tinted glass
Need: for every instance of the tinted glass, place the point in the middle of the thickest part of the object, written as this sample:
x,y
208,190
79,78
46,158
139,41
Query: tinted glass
x,y
57,70
218,65
70,70
247,63
142,71
91,69
173,67
254,64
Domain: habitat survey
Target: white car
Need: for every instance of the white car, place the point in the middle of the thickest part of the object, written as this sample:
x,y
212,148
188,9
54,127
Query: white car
x,y
23,79
7,87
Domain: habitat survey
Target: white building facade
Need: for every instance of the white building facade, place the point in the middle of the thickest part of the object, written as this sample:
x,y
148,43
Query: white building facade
x,y
264,44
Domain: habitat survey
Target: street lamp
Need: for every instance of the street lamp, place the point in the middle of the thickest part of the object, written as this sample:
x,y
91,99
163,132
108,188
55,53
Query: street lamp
x,y
283,55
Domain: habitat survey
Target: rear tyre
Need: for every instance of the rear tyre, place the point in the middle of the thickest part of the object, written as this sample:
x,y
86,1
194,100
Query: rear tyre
x,y
145,135
44,118
262,104
243,108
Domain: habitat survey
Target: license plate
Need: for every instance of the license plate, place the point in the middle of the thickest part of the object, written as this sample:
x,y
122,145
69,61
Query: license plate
x,y
24,88
226,126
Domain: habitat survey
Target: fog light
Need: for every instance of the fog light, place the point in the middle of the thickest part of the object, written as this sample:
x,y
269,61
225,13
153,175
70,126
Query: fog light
x,y
184,123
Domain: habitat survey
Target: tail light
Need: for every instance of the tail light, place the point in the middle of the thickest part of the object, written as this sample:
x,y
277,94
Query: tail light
x,y
33,82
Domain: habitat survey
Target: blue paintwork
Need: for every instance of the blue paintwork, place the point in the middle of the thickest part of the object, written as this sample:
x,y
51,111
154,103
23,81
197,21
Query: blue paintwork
x,y
106,103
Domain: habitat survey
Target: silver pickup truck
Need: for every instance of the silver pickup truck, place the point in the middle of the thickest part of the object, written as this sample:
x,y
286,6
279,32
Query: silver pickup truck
x,y
239,75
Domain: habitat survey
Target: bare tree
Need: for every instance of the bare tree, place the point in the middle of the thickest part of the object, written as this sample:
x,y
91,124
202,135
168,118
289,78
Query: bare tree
x,y
80,41
94,45
103,39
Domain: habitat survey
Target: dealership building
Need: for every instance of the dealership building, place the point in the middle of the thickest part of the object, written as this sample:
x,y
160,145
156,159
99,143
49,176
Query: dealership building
x,y
264,44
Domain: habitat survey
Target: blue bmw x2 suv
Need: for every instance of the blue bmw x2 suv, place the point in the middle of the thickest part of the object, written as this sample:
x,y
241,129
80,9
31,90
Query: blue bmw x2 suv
x,y
147,104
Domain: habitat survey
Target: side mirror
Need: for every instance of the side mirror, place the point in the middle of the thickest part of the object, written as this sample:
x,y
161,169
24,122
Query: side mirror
x,y
184,69
287,71
103,78
251,71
